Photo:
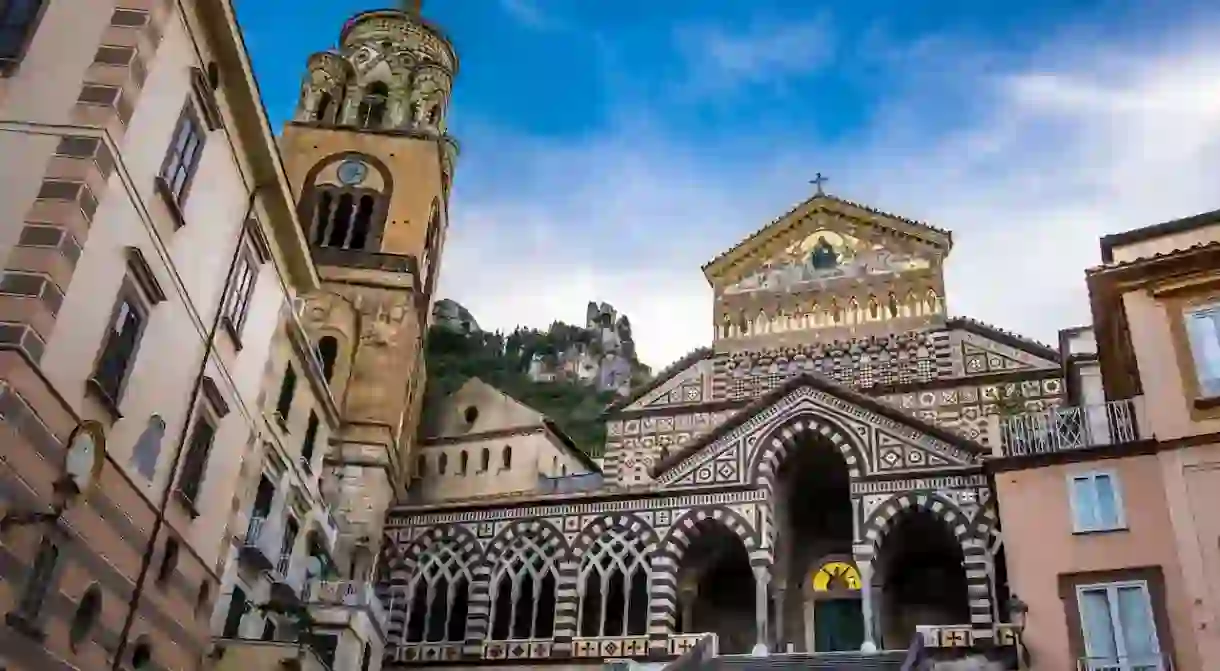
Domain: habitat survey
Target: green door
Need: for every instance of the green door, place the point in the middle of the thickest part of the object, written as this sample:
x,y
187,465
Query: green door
x,y
837,625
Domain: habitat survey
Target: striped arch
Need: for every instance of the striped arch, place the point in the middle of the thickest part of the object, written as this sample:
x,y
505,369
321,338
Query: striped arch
x,y
773,448
974,548
407,561
667,560
617,521
541,533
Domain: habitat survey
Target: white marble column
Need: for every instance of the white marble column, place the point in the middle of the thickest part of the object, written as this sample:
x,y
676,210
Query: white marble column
x,y
810,637
762,576
866,605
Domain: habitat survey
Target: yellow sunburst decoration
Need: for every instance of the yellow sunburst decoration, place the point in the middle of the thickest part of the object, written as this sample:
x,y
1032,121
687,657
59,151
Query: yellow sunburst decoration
x,y
836,574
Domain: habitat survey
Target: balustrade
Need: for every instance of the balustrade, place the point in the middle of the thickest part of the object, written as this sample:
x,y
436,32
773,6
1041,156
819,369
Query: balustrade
x,y
1071,428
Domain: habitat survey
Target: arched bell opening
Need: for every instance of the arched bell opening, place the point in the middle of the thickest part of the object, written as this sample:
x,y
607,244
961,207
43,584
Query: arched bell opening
x,y
716,588
923,577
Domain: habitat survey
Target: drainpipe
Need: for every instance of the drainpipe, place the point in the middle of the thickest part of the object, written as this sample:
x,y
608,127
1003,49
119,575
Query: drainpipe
x,y
133,605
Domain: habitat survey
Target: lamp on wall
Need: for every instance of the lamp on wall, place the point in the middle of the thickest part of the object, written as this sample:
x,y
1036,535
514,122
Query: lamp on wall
x,y
1018,610
79,472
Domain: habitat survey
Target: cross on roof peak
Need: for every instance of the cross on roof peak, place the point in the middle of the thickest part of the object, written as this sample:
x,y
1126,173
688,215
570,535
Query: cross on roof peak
x,y
818,180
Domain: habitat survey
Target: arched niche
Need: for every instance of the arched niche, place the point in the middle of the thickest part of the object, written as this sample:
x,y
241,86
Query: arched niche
x,y
332,317
324,90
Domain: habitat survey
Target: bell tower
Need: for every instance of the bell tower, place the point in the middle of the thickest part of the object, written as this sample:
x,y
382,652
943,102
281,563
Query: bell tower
x,y
371,162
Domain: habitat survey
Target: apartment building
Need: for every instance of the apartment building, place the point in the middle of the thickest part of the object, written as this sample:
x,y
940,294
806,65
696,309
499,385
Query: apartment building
x,y
295,555
1109,503
150,245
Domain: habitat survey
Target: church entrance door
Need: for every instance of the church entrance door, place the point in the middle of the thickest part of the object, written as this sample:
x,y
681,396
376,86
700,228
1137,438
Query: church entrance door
x,y
837,625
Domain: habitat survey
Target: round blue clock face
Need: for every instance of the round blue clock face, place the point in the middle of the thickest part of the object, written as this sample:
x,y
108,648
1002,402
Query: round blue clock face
x,y
352,172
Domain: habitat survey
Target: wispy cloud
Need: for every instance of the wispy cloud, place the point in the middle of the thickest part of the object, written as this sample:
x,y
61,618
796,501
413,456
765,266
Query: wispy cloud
x,y
1028,164
530,14
766,51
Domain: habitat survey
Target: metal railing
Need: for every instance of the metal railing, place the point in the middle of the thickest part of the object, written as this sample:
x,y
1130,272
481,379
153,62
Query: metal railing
x,y
1153,662
254,532
1070,428
350,593
284,564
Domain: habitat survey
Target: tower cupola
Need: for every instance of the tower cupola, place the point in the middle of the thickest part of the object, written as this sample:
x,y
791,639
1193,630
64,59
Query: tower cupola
x,y
393,70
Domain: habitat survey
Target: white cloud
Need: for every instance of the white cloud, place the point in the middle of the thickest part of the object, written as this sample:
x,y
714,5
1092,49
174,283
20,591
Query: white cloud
x,y
766,51
1036,164
528,13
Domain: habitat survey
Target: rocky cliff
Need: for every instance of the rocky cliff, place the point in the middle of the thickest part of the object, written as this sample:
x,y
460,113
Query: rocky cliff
x,y
570,373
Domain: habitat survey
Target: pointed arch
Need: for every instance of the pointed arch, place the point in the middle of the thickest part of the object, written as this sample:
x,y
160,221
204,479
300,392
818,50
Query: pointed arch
x,y
772,449
882,519
614,576
691,525
523,564
438,568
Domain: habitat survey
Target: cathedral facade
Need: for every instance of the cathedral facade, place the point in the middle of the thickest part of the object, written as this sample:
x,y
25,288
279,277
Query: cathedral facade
x,y
812,480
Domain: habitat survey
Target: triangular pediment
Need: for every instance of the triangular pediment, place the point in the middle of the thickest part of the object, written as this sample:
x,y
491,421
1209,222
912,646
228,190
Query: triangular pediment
x,y
477,407
686,381
987,349
827,237
875,438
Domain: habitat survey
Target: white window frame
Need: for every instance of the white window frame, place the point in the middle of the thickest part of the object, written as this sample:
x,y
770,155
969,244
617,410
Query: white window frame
x,y
241,290
1074,504
1202,377
1123,662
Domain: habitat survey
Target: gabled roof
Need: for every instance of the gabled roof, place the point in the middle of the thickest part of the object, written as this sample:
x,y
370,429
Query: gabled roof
x,y
1183,225
1003,336
829,386
917,229
661,378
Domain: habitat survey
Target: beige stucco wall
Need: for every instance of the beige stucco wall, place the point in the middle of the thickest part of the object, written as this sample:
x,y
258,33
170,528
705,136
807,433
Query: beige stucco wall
x,y
1040,546
533,454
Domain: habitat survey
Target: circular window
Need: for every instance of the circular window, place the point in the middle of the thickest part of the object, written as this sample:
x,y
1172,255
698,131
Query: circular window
x,y
471,414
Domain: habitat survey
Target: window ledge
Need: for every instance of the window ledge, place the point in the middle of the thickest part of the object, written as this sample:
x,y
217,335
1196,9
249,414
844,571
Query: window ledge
x,y
1094,532
1207,403
187,504
25,626
233,330
95,389
167,197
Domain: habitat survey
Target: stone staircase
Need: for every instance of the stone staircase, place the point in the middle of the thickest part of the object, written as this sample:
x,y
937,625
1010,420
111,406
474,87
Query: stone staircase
x,y
890,660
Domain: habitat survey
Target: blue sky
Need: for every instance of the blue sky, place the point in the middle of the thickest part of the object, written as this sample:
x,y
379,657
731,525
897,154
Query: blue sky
x,y
609,148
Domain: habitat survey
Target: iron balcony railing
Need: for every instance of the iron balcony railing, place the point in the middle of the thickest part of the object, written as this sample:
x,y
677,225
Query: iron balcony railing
x,y
1153,662
1070,428
352,594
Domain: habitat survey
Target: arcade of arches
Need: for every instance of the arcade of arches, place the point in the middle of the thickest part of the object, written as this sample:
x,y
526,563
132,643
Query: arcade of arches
x,y
801,560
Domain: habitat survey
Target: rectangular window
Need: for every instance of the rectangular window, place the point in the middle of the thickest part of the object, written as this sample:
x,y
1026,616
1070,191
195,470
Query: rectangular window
x,y
311,437
1097,503
241,290
183,158
17,19
238,607
1118,629
291,529
288,389
119,348
1203,331
195,462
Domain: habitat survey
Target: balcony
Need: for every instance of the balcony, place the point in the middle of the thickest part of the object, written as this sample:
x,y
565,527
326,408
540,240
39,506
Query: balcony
x,y
254,547
1073,428
351,594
